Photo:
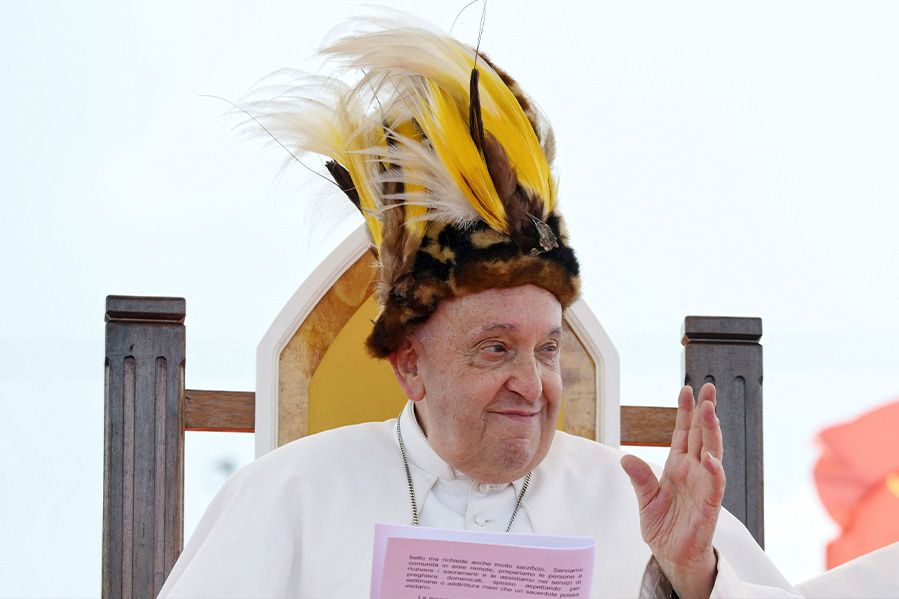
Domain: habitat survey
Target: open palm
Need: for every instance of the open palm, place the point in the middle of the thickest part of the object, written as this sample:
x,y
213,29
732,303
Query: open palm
x,y
678,513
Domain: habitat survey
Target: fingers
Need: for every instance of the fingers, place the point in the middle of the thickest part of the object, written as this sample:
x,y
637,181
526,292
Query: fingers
x,y
643,479
708,393
711,427
684,418
694,438
715,469
697,436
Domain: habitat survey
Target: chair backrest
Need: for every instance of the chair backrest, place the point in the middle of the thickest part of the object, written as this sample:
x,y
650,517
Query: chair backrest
x,y
304,384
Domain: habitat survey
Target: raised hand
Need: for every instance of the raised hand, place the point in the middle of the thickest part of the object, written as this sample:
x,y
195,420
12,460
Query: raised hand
x,y
678,513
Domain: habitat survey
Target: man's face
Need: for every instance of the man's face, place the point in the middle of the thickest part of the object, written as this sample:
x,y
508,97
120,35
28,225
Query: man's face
x,y
489,366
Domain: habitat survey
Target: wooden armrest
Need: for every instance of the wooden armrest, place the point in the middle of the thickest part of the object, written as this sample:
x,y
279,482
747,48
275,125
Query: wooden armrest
x,y
234,411
647,425
219,411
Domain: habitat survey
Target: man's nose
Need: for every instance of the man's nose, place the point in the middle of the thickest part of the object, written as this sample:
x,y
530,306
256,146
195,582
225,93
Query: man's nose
x,y
525,378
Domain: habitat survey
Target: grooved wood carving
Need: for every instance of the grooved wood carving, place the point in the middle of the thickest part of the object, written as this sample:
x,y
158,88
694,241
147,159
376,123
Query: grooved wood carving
x,y
144,443
726,351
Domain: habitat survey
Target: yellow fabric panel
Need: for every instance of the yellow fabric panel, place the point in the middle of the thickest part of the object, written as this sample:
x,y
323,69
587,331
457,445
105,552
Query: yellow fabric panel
x,y
349,386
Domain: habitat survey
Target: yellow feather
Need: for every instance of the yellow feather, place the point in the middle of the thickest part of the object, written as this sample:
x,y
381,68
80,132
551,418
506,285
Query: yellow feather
x,y
415,222
500,111
447,130
351,140
505,119
418,74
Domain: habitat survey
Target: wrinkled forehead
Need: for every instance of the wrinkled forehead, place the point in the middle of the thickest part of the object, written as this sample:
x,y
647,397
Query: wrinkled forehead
x,y
527,311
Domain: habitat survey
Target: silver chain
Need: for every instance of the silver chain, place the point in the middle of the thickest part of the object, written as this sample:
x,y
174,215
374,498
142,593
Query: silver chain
x,y
399,436
415,519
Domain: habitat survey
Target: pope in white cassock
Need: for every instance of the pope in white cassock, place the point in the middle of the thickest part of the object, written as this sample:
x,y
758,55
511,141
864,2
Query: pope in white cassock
x,y
450,164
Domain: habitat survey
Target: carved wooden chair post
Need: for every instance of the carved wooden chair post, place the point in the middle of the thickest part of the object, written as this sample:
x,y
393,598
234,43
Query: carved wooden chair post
x,y
143,469
726,351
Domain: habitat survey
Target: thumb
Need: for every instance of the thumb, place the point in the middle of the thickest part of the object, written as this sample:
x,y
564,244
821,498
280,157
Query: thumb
x,y
643,479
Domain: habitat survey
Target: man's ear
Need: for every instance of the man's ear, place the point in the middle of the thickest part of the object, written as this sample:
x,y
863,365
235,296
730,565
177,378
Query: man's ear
x,y
405,368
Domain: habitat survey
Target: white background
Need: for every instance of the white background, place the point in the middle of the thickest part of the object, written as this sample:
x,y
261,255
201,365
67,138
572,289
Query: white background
x,y
714,159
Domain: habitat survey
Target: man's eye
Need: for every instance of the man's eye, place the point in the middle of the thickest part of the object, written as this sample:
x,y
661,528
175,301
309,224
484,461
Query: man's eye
x,y
552,348
493,348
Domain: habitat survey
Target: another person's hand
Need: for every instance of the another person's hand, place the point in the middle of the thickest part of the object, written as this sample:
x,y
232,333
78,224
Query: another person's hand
x,y
678,513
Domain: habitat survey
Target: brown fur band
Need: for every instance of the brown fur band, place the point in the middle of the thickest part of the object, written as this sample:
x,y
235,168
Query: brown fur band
x,y
453,261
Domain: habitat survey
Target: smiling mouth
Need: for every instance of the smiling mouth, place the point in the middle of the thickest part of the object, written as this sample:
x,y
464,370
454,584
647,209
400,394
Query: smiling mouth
x,y
517,415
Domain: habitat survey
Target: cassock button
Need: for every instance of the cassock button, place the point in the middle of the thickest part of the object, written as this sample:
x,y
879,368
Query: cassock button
x,y
482,520
486,488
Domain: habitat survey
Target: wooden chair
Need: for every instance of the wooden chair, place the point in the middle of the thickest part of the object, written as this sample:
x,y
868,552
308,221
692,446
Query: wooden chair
x,y
302,388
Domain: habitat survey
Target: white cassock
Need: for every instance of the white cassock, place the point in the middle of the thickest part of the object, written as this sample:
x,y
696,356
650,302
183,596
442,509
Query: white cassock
x,y
299,521
874,575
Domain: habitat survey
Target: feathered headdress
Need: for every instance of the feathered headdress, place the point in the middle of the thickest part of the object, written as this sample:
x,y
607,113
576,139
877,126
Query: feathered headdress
x,y
448,162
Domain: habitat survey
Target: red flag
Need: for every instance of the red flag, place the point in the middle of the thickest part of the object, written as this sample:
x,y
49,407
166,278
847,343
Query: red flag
x,y
858,481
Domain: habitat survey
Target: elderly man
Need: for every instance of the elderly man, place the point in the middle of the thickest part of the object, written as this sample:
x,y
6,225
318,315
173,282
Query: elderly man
x,y
449,163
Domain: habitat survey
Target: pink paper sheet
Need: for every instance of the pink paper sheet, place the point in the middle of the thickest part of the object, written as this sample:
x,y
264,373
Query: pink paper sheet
x,y
430,563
